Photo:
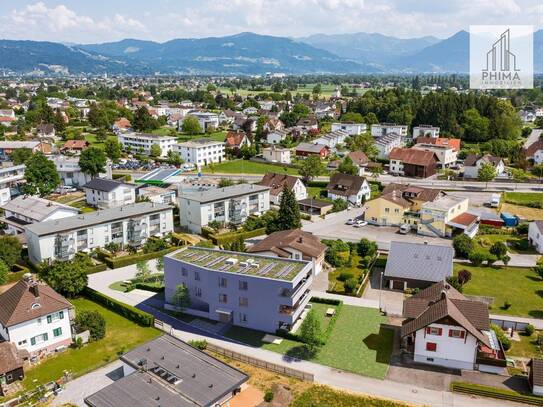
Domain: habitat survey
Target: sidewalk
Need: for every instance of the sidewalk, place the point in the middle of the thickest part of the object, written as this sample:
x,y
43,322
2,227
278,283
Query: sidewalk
x,y
537,323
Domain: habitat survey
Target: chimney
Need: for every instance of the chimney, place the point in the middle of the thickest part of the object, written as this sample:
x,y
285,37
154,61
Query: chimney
x,y
426,242
35,290
443,294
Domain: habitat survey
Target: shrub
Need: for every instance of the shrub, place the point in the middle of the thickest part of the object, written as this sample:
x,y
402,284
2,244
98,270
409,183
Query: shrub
x,y
453,281
154,244
539,271
464,276
112,247
522,229
339,205
477,257
463,246
502,337
92,321
268,396
529,330
498,249
367,248
198,344
507,304
350,285
345,275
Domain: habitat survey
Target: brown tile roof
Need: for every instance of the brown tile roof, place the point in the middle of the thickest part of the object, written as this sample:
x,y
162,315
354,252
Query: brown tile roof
x,y
359,158
454,143
532,148
10,357
235,138
344,184
396,199
75,144
123,123
537,371
413,193
276,182
472,159
16,303
465,219
413,156
305,242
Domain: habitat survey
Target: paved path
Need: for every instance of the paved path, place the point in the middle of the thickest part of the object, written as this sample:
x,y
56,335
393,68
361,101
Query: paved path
x,y
537,323
517,260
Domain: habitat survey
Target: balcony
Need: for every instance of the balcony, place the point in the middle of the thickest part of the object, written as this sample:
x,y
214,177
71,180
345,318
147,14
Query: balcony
x,y
292,310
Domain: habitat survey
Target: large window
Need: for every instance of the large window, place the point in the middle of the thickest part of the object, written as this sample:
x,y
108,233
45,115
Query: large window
x,y
431,347
55,317
57,332
36,340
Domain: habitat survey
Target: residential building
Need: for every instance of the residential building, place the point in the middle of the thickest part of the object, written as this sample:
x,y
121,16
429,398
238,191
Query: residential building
x,y
259,292
169,372
351,128
107,193
25,210
534,151
276,136
417,265
332,140
315,207
425,130
361,160
446,215
535,377
446,156
201,152
385,144
143,142
453,143
10,179
11,365
444,328
208,121
7,147
237,139
473,163
46,130
351,188
231,204
273,124
412,162
276,183
35,318
122,125
382,129
157,194
306,124
70,173
129,225
309,149
276,154
535,235
293,244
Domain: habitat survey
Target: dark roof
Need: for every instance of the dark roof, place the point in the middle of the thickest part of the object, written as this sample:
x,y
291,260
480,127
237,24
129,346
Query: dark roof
x,y
419,261
46,128
305,242
413,193
359,158
10,357
345,184
276,182
196,379
472,159
103,184
315,203
235,138
413,156
20,303
310,148
537,371
396,198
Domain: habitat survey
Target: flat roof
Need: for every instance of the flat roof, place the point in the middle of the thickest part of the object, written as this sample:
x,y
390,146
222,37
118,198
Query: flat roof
x,y
95,218
241,263
444,203
158,176
202,142
219,194
169,373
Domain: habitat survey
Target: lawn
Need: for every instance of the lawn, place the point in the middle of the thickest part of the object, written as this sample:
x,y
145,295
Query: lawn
x,y
527,347
523,212
523,198
357,271
317,193
82,206
326,396
155,280
91,138
514,243
164,131
248,167
522,287
121,335
357,342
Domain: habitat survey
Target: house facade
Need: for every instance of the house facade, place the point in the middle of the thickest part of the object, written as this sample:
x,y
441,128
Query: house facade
x,y
106,193
385,144
309,149
276,136
351,128
351,188
143,142
534,151
535,235
201,152
412,162
70,173
276,183
208,121
473,163
446,156
382,129
10,179
266,293
425,130
277,154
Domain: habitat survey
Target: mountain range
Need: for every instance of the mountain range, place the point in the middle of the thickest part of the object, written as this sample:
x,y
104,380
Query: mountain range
x,y
250,54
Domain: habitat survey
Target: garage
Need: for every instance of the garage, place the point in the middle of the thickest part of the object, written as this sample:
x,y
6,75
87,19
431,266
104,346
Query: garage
x,y
397,285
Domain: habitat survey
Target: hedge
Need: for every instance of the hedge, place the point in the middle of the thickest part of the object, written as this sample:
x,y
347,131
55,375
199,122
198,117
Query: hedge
x,y
233,236
129,312
317,184
149,287
116,262
96,268
492,392
329,301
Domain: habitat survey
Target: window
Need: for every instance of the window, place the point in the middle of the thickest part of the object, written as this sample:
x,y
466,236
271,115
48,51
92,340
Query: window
x,y
243,285
57,332
243,318
39,339
197,276
431,347
183,271
223,298
197,292
222,282
22,343
457,333
387,210
243,301
431,330
55,317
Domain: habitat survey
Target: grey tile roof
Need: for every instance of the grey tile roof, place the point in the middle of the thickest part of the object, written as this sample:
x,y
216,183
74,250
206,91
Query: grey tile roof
x,y
417,261
96,218
105,185
218,194
35,207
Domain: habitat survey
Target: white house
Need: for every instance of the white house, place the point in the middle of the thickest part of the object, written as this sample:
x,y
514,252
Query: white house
x,y
276,183
382,129
473,163
535,235
226,205
129,225
446,155
351,188
70,173
276,136
208,120
351,128
276,154
425,130
144,142
25,210
385,144
10,178
332,140
35,318
534,151
442,327
107,193
201,151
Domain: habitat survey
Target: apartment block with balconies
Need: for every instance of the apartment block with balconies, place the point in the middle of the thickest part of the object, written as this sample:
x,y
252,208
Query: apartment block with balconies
x,y
260,292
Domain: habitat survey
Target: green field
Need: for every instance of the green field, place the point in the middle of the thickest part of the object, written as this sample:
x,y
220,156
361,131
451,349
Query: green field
x,y
327,397
91,138
247,167
522,287
121,335
514,243
356,344
523,198
527,346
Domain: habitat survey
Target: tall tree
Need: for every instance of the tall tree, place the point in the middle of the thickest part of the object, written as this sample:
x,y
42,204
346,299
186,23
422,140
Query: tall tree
x,y
20,155
143,121
347,167
41,176
181,297
191,125
93,161
155,151
289,212
112,148
311,332
311,167
68,278
486,173
10,250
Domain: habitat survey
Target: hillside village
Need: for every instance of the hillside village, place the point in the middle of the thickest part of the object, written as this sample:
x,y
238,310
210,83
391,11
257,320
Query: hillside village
x,y
176,229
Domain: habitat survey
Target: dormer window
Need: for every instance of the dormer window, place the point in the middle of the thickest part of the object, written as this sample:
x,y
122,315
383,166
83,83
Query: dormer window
x,y
36,305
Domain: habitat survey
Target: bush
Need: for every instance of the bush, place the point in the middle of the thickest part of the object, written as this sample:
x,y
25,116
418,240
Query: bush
x,y
502,337
507,304
154,244
198,344
350,285
134,258
92,321
529,330
345,275
227,238
268,396
367,248
477,257
501,394
522,229
329,301
463,246
339,205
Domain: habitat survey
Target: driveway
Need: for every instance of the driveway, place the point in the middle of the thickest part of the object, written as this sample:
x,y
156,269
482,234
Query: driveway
x,y
391,301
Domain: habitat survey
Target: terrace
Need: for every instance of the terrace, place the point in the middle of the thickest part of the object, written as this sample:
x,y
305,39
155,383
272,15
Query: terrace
x,y
241,263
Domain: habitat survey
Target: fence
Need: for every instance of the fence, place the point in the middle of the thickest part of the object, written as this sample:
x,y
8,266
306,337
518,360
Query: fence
x,y
272,367
506,324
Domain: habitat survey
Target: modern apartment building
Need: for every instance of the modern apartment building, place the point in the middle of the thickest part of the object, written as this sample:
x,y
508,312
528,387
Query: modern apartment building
x,y
425,130
10,177
353,129
70,173
201,151
382,129
142,141
254,291
129,225
231,204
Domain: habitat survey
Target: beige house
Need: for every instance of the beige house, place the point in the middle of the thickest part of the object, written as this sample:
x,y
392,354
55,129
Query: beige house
x,y
276,154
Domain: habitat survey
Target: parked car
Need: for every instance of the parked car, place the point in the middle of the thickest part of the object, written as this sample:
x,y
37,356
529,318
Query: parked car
x,y
65,189
360,223
405,229
351,221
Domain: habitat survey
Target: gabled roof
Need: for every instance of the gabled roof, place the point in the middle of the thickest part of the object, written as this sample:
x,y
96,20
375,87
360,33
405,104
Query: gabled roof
x,y
18,303
472,159
453,143
34,207
359,158
413,156
276,182
310,148
532,148
413,193
344,184
305,242
235,138
396,198
539,225
104,185
10,357
76,145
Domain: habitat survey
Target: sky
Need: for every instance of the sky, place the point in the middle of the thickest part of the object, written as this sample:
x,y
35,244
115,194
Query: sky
x,y
94,21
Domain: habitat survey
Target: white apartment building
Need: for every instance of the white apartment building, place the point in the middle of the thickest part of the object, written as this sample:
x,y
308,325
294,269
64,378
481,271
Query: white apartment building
x,y
106,193
129,225
70,173
201,152
425,130
382,129
446,156
385,144
351,128
208,120
333,139
35,318
277,155
231,204
143,142
10,177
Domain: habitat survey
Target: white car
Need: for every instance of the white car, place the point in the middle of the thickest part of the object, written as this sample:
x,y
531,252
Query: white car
x,y
351,221
65,190
360,223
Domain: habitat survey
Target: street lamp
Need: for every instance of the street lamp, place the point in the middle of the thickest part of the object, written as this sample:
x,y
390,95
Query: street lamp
x,y
380,289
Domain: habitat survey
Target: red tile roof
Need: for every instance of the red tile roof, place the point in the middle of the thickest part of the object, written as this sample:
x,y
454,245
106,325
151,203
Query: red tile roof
x,y
412,156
